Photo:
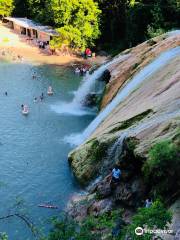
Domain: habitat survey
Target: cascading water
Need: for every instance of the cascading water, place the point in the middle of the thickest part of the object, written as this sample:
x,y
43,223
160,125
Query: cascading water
x,y
90,80
114,152
150,69
88,84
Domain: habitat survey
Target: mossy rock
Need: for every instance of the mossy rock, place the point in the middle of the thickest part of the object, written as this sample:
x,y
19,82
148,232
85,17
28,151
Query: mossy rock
x,y
86,159
131,121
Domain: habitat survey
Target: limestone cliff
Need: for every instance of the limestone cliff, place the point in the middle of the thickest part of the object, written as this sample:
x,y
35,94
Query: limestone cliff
x,y
148,114
124,135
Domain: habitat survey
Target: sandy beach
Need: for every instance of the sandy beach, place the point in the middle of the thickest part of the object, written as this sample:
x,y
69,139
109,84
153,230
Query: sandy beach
x,y
13,45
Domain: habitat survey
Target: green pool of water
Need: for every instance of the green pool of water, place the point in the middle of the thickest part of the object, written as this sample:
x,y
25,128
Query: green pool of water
x,y
33,154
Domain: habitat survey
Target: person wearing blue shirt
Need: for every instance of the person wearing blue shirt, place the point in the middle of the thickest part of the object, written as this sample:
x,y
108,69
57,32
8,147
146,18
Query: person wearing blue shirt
x,y
116,174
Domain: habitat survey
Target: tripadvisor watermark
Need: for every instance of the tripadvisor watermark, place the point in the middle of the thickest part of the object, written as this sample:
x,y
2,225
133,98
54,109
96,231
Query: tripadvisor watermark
x,y
140,231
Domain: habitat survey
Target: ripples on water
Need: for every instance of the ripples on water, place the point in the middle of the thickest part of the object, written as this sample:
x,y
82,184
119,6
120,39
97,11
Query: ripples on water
x,y
33,154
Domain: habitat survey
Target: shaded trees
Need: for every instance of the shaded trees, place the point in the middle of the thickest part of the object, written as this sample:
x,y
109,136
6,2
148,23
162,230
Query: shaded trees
x,y
122,23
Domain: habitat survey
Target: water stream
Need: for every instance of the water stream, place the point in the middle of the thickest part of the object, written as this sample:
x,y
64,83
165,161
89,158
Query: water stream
x,y
88,84
138,79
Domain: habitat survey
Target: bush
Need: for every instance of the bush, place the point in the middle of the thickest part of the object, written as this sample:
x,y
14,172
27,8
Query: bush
x,y
91,228
154,217
154,32
3,236
163,157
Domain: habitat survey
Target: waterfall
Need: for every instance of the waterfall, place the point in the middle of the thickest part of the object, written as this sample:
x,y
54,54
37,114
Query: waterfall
x,y
144,74
114,152
90,80
88,84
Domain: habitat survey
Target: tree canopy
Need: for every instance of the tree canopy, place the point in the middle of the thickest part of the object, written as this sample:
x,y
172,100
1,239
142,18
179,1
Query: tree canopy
x,y
77,21
6,7
115,24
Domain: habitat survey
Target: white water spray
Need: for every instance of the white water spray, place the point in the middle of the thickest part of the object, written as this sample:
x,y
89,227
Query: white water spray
x,y
114,152
144,74
88,84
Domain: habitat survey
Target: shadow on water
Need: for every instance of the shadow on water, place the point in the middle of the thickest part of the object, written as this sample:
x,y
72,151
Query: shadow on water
x,y
33,154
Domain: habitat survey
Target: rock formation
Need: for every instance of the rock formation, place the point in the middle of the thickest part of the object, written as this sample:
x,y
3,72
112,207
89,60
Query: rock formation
x,y
150,113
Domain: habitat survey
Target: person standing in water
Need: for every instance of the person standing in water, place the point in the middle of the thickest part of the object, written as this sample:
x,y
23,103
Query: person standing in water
x,y
42,96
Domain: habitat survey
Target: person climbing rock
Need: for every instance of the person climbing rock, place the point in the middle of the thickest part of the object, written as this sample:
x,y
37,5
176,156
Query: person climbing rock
x,y
116,174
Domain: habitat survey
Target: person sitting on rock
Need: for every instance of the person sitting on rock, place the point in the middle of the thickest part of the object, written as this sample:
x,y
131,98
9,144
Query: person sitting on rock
x,y
116,174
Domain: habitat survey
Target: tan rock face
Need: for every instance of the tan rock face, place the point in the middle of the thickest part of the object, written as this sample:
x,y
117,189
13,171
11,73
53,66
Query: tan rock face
x,y
159,93
139,57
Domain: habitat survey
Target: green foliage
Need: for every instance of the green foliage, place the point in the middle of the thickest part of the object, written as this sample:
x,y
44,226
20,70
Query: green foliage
x,y
154,32
3,236
6,7
163,157
156,27
77,22
154,217
122,23
39,10
90,228
131,121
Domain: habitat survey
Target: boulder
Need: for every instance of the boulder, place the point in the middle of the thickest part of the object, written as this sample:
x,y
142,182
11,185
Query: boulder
x,y
90,100
103,189
131,193
100,207
106,76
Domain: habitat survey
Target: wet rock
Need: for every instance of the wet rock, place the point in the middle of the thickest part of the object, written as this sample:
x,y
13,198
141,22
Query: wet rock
x,y
106,76
90,100
103,189
86,159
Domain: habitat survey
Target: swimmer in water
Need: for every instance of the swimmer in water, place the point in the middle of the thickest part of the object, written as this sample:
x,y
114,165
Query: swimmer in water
x,y
22,106
35,99
6,93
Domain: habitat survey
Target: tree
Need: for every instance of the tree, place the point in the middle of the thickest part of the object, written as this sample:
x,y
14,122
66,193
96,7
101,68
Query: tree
x,y
6,7
77,22
155,217
39,10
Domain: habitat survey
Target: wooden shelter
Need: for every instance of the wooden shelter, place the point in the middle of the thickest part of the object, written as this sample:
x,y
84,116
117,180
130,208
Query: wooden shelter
x,y
30,28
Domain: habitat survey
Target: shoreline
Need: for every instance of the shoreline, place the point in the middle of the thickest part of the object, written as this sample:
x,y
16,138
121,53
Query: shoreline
x,y
16,48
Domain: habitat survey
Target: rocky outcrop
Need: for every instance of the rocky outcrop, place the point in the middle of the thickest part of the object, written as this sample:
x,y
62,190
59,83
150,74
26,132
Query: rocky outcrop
x,y
139,57
86,161
148,115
